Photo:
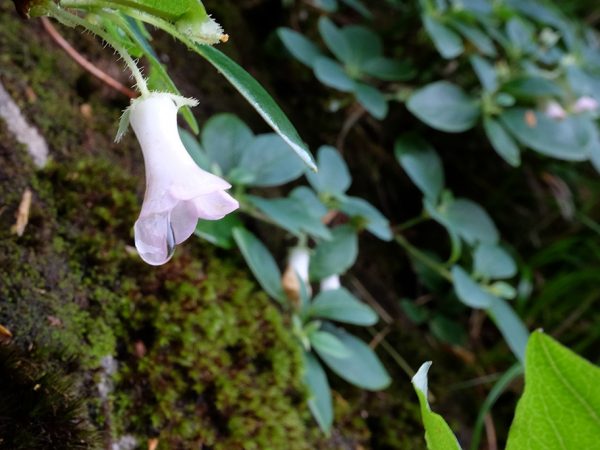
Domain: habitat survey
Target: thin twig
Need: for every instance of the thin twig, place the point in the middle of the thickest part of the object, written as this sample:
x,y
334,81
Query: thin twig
x,y
366,295
87,65
352,119
490,431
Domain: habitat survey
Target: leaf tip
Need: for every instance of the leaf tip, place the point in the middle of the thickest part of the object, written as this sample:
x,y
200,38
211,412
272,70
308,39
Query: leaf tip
x,y
419,381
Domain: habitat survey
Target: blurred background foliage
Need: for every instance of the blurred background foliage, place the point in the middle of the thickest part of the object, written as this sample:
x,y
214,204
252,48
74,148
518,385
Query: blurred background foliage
x,y
435,127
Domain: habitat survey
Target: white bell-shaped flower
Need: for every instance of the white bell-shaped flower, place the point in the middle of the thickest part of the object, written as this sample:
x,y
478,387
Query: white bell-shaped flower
x,y
178,192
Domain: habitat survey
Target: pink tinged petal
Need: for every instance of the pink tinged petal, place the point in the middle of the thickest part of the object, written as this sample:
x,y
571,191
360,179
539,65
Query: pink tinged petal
x,y
215,206
555,111
585,104
154,238
184,219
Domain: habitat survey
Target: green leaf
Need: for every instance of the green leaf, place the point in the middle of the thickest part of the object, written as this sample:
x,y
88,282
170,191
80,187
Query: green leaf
x,y
319,402
269,162
511,326
340,305
418,314
502,289
492,261
364,45
292,215
328,344
531,87
333,177
521,34
219,232
566,139
422,164
470,221
438,434
502,141
375,222
447,330
444,106
372,100
485,72
446,41
469,292
301,48
560,407
194,149
309,199
332,74
359,7
477,37
334,39
225,138
261,263
388,69
327,5
362,367
335,256
260,99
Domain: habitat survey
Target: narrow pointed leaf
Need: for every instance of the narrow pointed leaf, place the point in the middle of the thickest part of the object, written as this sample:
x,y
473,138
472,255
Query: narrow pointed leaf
x,y
259,98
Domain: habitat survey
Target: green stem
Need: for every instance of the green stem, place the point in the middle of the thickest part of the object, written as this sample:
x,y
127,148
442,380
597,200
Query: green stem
x,y
411,223
70,19
397,357
256,214
423,257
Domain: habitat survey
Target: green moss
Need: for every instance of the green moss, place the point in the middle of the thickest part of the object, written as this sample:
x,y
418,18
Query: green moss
x,y
217,351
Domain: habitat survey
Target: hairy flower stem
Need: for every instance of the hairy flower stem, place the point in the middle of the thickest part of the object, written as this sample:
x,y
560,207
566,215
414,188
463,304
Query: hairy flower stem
x,y
72,20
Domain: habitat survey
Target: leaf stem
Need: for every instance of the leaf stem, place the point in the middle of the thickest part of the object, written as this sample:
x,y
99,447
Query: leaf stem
x,y
423,257
411,223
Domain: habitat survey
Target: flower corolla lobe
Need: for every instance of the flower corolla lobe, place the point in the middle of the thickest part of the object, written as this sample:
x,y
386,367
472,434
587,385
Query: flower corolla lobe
x,y
178,192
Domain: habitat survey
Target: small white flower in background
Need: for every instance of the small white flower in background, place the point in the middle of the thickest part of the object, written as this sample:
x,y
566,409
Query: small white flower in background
x,y
178,192
296,271
554,110
299,260
585,104
331,283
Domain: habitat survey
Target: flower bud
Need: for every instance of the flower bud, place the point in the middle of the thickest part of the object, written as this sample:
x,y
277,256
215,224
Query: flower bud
x,y
296,272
